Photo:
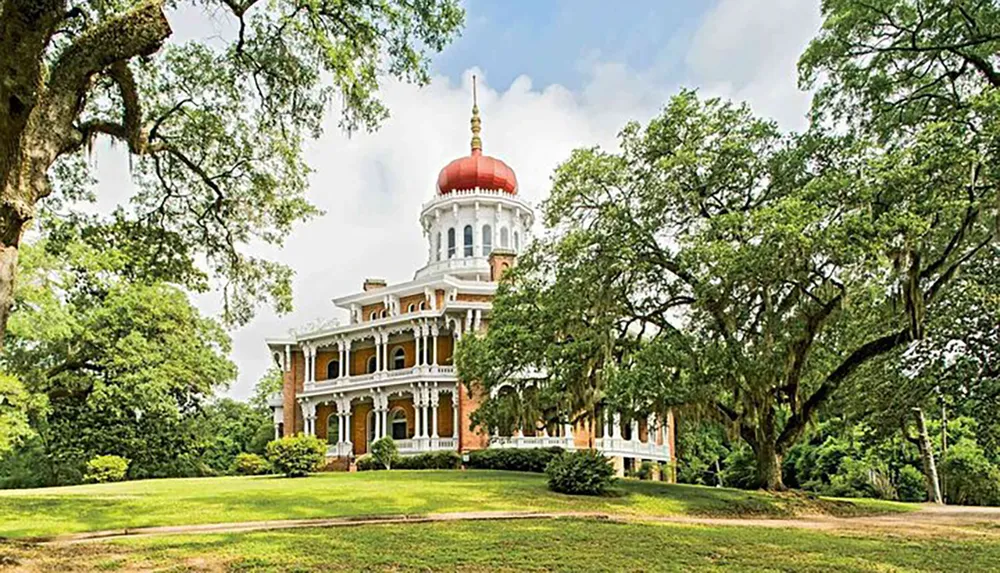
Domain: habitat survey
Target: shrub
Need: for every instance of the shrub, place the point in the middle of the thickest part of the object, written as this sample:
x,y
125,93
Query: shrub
x,y
740,468
969,477
529,460
429,461
583,472
296,456
384,451
367,463
104,469
250,465
911,485
645,470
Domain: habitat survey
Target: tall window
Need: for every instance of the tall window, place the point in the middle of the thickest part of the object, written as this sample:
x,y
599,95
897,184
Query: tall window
x,y
371,363
332,429
398,359
504,238
517,242
332,369
437,247
467,236
451,243
398,424
487,240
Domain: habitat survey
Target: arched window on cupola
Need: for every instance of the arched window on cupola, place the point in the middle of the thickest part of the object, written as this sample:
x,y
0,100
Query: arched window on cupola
x,y
504,238
332,369
451,243
517,242
437,247
467,236
398,359
487,240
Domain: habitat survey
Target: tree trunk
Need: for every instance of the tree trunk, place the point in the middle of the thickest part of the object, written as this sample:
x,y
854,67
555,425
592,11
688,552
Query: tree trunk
x,y
769,467
927,456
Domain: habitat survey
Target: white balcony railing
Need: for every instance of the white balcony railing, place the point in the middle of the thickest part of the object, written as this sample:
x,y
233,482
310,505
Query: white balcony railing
x,y
607,446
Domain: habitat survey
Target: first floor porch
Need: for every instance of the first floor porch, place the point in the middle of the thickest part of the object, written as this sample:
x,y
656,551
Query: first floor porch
x,y
419,417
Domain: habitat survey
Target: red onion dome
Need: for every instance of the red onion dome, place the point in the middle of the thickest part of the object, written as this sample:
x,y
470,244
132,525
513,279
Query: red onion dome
x,y
477,171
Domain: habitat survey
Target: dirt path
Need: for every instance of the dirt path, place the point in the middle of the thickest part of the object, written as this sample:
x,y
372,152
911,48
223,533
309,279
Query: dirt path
x,y
929,520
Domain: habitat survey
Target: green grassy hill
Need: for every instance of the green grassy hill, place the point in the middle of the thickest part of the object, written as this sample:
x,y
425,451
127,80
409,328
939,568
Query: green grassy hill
x,y
54,511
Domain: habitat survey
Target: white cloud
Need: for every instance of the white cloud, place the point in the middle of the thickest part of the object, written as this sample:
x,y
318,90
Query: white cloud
x,y
372,185
748,50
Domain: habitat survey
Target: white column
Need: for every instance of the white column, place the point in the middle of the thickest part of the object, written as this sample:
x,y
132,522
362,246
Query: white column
x,y
378,352
616,427
635,430
277,433
385,351
347,421
340,357
650,429
385,418
340,427
416,347
454,413
607,423
347,358
434,344
568,432
435,397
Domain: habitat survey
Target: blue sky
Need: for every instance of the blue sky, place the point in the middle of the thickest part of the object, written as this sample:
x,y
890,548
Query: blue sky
x,y
551,41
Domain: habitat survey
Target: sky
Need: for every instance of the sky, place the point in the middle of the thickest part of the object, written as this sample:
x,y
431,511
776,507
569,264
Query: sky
x,y
553,75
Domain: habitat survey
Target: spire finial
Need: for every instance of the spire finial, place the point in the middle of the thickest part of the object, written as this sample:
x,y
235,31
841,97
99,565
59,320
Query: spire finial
x,y
477,143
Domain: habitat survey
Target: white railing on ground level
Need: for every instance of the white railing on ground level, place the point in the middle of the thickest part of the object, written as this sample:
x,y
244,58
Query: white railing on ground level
x,y
607,446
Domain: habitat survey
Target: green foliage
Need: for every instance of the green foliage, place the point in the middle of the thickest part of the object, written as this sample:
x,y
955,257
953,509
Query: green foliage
x,y
250,465
124,365
970,478
104,469
214,125
227,428
430,461
296,456
740,469
581,472
645,470
911,485
512,459
384,451
15,405
445,460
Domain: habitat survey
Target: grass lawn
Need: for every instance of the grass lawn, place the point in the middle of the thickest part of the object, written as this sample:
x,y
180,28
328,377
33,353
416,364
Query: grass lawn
x,y
565,545
52,511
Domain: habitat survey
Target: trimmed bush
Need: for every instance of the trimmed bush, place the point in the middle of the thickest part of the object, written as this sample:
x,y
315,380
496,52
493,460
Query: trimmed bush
x,y
296,456
428,461
105,469
367,463
250,465
911,485
529,460
583,472
384,451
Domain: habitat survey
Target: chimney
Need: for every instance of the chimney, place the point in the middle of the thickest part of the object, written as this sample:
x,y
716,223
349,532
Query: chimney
x,y
500,261
373,284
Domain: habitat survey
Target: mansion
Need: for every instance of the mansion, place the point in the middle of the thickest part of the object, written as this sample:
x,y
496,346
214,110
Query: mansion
x,y
389,371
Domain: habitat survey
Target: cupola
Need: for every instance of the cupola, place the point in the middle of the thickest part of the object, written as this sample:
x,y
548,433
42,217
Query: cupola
x,y
477,171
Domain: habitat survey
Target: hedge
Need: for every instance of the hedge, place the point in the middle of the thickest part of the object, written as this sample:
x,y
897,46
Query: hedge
x,y
528,460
